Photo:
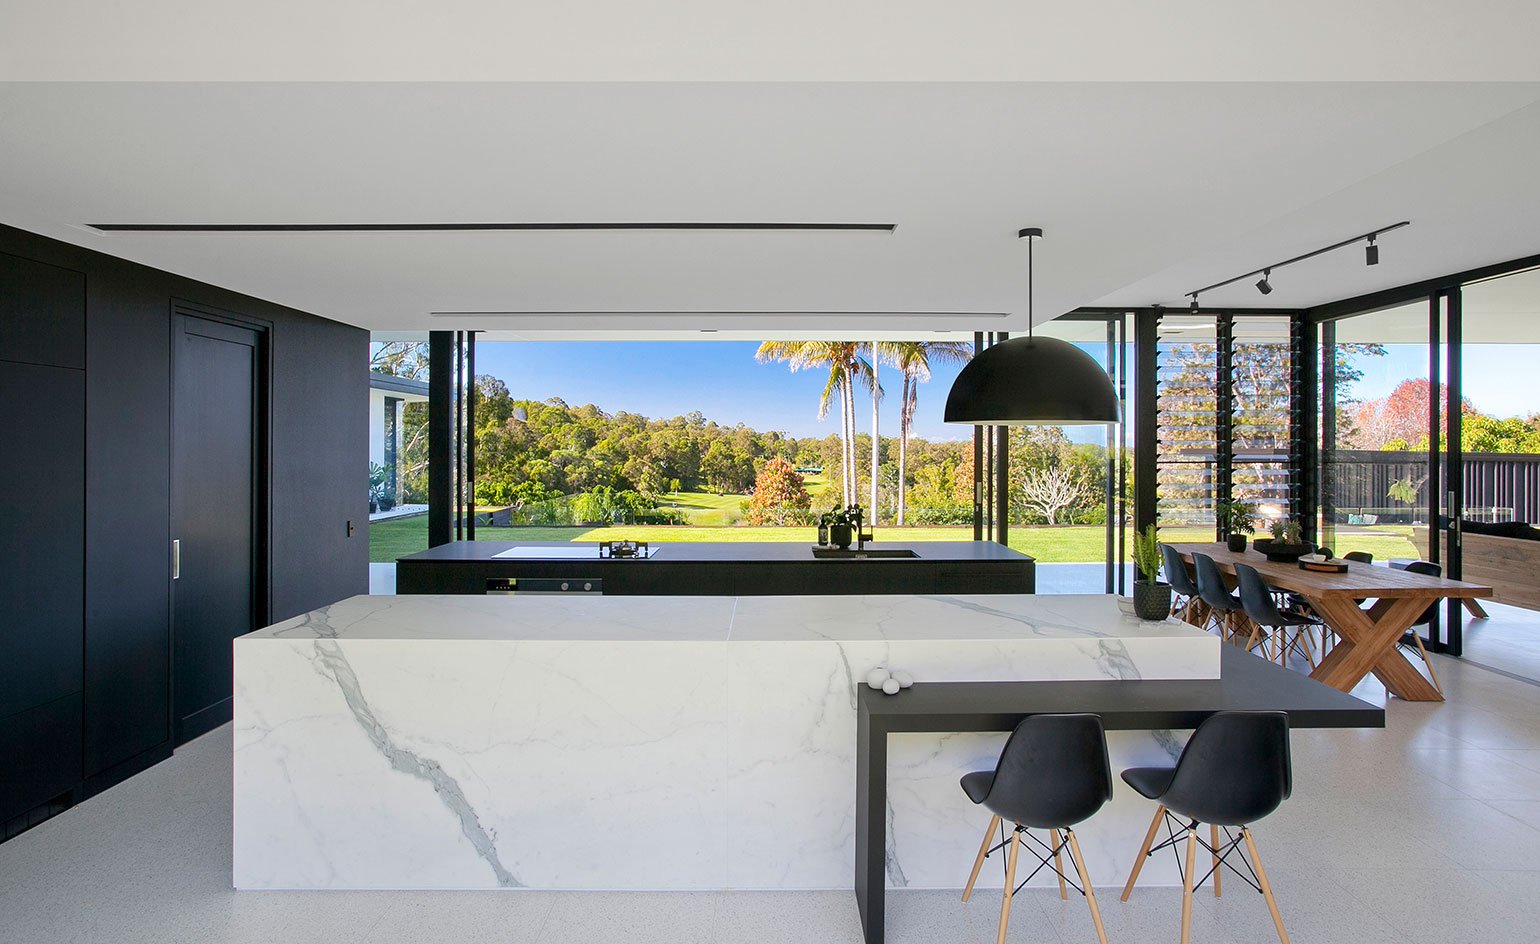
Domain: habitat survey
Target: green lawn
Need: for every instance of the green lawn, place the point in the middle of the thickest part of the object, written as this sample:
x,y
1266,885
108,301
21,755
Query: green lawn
x,y
712,510
1064,544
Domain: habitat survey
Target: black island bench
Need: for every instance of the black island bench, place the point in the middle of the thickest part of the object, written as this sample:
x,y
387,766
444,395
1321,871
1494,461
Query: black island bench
x,y
750,568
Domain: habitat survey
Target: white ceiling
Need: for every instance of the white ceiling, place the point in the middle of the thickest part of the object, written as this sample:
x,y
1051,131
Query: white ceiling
x,y
1145,190
784,40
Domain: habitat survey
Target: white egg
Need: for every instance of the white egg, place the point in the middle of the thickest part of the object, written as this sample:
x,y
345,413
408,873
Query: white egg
x,y
891,686
876,677
903,678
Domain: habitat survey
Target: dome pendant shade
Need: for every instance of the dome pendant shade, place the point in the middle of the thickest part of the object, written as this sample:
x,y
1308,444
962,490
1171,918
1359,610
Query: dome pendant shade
x,y
1032,381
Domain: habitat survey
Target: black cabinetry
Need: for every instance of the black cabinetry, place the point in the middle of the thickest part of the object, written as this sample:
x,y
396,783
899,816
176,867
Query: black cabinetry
x,y
42,532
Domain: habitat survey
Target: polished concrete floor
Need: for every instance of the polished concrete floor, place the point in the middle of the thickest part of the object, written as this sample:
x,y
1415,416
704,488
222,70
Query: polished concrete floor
x,y
1427,831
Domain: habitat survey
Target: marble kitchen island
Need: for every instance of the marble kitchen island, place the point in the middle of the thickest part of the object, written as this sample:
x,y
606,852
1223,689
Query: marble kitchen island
x,y
588,741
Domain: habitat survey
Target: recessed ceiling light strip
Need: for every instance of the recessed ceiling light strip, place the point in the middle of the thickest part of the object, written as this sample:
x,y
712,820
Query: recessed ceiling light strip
x,y
481,227
718,314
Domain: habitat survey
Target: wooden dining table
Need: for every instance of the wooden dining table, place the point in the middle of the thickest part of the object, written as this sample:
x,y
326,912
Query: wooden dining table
x,y
1367,636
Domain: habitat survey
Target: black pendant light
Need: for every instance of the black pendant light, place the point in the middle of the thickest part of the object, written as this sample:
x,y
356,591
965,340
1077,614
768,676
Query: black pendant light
x,y
1032,381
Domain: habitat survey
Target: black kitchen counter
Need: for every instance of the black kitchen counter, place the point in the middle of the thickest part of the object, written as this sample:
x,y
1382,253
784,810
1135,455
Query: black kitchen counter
x,y
729,569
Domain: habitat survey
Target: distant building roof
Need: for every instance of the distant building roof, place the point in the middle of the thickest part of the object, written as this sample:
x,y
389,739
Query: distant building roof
x,y
401,385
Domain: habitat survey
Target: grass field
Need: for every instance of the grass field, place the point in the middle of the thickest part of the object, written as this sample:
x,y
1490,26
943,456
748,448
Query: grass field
x,y
709,510
1063,544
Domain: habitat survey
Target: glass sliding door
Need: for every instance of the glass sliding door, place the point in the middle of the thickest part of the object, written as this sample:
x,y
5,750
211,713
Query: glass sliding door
x,y
1494,457
1067,497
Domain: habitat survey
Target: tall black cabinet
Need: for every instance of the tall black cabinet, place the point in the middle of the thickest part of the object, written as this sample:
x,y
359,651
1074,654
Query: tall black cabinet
x,y
86,470
42,532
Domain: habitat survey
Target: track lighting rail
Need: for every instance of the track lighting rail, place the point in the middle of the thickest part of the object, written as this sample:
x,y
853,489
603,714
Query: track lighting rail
x,y
1371,257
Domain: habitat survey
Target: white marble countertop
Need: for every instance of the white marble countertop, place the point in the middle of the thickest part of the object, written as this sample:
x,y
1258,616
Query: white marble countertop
x,y
984,617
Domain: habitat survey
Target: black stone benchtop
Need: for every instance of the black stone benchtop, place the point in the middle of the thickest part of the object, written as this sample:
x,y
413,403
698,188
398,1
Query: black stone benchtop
x,y
759,552
748,568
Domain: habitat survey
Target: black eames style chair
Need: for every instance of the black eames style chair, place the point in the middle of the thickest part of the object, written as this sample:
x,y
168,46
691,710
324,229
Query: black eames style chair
x,y
1187,605
1225,610
1278,631
1052,774
1234,771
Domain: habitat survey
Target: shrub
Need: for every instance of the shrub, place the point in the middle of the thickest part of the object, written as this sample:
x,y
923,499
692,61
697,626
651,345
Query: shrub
x,y
779,497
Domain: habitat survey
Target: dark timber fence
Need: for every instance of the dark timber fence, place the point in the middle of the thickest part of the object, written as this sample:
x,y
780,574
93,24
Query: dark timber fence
x,y
1498,486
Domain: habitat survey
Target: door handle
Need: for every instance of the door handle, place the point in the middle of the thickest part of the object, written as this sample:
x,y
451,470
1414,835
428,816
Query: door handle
x,y
176,559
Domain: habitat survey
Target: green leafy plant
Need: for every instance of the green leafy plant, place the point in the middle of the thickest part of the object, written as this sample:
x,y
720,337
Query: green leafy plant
x,y
376,481
1147,553
1287,531
1403,491
1235,516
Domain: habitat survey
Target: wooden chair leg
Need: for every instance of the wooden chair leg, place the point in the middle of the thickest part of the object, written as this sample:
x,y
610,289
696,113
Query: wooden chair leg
x,y
1085,883
1187,880
1144,852
1213,840
1058,866
989,835
1010,883
1267,889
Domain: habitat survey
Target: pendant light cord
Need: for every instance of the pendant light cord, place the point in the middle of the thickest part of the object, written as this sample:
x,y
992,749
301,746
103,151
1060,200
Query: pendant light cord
x,y
1030,289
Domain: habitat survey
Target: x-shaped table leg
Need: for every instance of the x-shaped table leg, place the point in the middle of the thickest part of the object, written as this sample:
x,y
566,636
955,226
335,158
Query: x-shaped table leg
x,y
1368,644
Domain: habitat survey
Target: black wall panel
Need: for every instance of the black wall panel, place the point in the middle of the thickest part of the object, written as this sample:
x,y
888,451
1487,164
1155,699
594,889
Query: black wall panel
x,y
42,549
121,336
42,313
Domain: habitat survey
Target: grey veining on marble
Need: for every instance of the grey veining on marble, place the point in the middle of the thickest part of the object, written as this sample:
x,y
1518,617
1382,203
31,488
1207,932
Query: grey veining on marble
x,y
641,742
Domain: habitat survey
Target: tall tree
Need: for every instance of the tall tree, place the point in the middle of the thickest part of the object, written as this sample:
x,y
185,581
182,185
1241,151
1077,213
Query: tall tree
x,y
846,366
913,360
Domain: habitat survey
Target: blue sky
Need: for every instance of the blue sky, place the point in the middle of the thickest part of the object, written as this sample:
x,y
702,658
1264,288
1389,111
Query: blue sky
x,y
723,381
719,378
1497,378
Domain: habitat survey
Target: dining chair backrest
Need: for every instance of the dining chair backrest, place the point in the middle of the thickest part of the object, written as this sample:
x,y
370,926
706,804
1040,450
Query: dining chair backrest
x,y
1256,598
1234,770
1211,585
1176,572
1359,557
1052,772
1426,569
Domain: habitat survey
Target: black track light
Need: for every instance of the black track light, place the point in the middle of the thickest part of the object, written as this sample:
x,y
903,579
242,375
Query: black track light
x,y
1264,286
1371,253
1194,306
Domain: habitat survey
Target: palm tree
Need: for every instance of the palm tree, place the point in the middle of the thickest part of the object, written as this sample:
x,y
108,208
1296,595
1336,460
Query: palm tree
x,y
846,366
913,359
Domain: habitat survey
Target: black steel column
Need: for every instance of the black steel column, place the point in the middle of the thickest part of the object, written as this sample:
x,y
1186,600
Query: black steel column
x,y
1302,423
1327,480
1454,467
1122,362
441,355
1436,532
1002,475
1109,433
978,460
470,436
1224,413
1146,418
459,438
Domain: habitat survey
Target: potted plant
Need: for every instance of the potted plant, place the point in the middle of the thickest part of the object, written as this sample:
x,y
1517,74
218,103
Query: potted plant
x,y
842,525
1287,544
376,486
1152,598
1236,520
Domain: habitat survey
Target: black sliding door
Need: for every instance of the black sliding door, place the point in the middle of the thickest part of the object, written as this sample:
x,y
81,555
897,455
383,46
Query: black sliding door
x,y
215,521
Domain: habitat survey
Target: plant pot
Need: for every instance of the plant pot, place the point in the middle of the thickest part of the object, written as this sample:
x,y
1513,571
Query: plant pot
x,y
1152,601
374,506
1236,543
841,536
1281,553
387,504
